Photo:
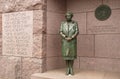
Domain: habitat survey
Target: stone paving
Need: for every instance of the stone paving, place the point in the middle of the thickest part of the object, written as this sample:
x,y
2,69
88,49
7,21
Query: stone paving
x,y
79,74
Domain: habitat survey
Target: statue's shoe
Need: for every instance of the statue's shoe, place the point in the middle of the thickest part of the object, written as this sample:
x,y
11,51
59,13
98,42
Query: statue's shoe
x,y
67,71
71,71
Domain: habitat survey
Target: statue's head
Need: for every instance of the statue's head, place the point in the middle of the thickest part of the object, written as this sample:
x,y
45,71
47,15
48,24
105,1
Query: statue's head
x,y
69,16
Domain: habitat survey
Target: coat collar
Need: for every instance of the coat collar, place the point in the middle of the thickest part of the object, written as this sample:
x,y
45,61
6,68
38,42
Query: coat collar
x,y
66,24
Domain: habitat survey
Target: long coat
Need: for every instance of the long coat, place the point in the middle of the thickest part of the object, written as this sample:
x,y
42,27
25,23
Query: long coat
x,y
69,48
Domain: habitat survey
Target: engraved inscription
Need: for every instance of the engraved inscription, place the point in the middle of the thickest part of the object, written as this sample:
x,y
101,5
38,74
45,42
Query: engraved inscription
x,y
17,33
103,29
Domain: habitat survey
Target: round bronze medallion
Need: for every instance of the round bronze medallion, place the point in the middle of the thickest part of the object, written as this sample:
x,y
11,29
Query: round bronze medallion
x,y
103,12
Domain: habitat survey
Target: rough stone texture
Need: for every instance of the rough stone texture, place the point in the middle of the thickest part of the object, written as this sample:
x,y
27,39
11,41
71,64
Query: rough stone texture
x,y
114,4
22,5
17,31
85,45
37,48
56,5
30,66
53,45
82,5
39,29
101,64
39,21
39,32
53,22
107,46
38,26
10,67
110,25
81,19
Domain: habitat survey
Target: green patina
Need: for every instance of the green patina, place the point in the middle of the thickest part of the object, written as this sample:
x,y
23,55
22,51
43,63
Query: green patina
x,y
69,31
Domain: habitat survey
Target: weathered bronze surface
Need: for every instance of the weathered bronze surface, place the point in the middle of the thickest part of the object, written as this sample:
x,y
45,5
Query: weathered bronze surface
x,y
103,12
69,31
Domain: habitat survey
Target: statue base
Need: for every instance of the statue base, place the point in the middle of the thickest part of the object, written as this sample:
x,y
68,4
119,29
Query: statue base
x,y
79,74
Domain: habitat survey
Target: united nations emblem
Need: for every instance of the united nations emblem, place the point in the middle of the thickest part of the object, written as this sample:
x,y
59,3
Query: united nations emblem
x,y
103,12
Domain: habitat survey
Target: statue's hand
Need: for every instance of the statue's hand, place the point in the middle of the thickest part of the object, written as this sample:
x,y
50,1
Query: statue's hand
x,y
68,38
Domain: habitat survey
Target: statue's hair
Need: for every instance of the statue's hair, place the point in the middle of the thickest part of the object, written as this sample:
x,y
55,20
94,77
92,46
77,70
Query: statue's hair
x,y
69,12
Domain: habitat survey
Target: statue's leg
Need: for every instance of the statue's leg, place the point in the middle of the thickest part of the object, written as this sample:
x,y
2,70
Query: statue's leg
x,y
71,67
67,67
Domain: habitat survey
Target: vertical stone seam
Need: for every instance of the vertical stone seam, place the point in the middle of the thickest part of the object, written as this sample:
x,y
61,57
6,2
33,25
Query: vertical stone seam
x,y
1,36
86,22
21,67
94,45
44,39
79,62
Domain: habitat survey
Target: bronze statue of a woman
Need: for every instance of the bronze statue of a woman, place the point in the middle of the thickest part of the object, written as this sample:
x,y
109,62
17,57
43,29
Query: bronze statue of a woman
x,y
69,31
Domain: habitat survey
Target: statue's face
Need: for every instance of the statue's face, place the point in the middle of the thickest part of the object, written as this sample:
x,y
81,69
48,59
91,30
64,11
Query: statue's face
x,y
68,17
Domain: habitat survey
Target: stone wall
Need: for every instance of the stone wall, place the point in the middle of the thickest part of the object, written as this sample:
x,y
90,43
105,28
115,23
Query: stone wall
x,y
15,66
55,14
98,41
